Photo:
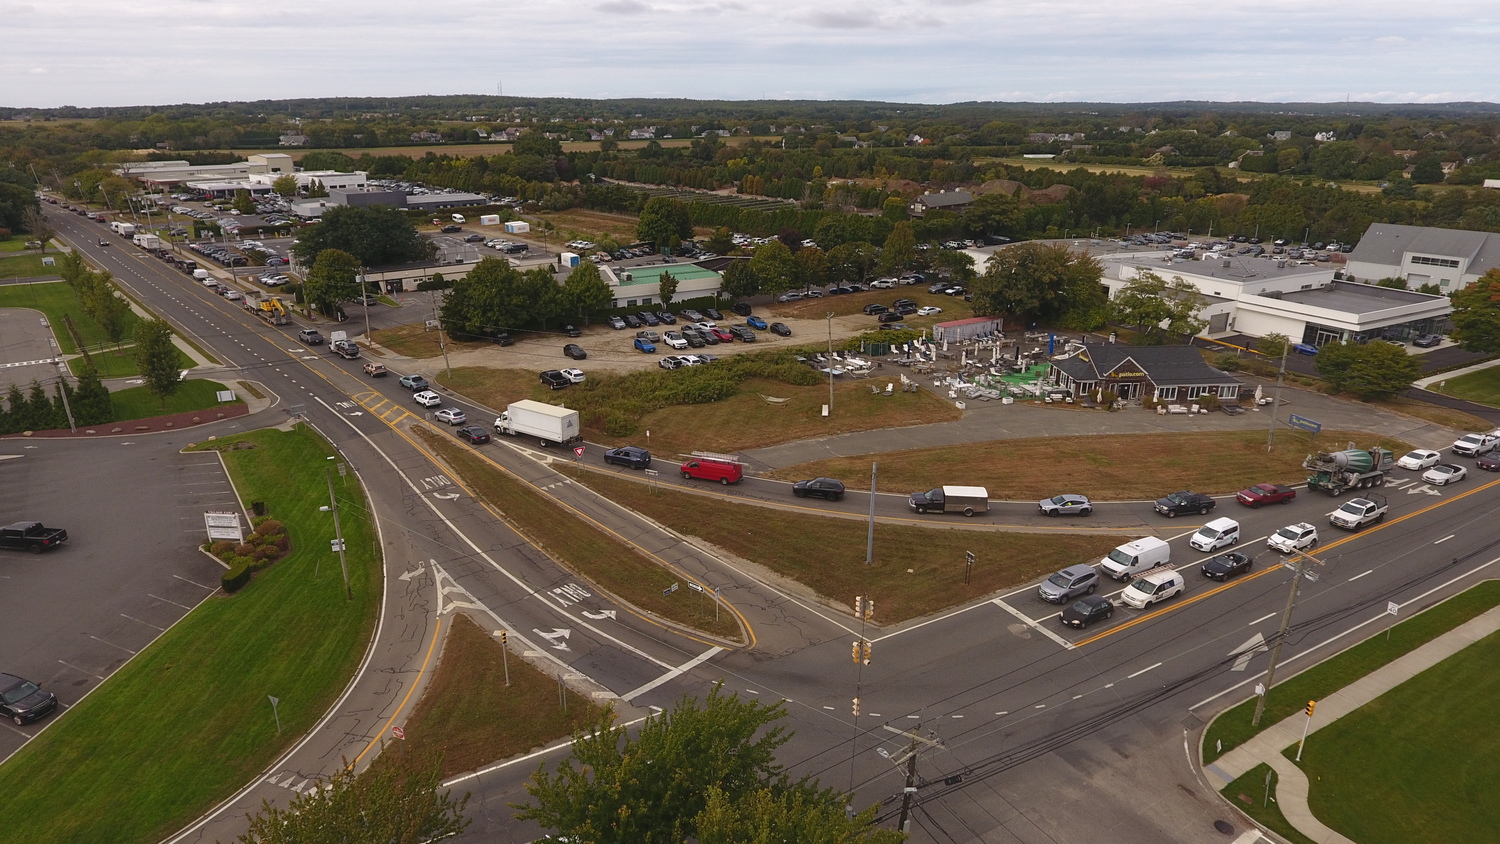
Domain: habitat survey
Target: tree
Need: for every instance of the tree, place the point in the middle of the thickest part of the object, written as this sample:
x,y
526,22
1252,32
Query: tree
x,y
1370,371
666,287
775,267
1157,307
35,223
156,358
315,190
111,312
376,235
91,403
812,267
1476,314
801,814
284,185
664,223
652,789
585,290
721,242
243,203
893,209
388,803
14,200
900,250
851,263
333,278
1041,283
1427,170
45,415
1273,345
739,281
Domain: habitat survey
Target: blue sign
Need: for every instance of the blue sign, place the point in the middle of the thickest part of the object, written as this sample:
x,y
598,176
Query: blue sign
x,y
1304,423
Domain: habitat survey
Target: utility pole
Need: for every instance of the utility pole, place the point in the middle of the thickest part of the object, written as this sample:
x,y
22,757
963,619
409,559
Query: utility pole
x,y
870,538
1275,403
442,341
1286,622
909,757
830,359
333,505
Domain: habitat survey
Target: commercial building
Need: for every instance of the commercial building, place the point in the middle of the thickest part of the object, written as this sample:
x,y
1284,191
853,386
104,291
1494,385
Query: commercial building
x,y
309,209
1451,259
1162,373
956,201
642,285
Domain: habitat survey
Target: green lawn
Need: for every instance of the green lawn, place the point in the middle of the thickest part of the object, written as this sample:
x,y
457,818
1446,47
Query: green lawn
x,y
15,244
186,722
1232,727
55,300
193,394
119,363
1248,794
1421,763
24,266
1482,386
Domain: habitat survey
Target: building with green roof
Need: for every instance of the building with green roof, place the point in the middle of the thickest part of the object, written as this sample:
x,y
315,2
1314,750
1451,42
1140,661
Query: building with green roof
x,y
642,285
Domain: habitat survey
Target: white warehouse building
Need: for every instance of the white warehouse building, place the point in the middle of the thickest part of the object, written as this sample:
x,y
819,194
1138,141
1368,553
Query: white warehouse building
x,y
1452,259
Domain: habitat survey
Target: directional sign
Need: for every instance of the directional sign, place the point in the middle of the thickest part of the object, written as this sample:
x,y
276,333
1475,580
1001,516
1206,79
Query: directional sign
x,y
1246,652
1304,423
557,638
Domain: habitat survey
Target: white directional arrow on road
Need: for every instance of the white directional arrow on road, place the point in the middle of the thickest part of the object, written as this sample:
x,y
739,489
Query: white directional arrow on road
x,y
599,615
356,413
557,638
416,572
1246,652
1423,488
446,496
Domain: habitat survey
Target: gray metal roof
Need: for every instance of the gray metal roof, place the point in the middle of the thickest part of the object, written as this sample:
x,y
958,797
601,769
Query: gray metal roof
x,y
1360,299
940,200
1389,243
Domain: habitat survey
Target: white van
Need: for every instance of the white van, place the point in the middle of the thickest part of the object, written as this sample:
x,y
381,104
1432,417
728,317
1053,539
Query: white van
x,y
1135,557
1215,535
1157,585
459,218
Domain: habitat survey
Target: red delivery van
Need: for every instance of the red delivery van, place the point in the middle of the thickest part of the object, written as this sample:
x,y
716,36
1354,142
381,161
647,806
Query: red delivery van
x,y
711,469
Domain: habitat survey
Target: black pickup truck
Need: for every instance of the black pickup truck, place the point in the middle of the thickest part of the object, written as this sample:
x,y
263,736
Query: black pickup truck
x,y
31,536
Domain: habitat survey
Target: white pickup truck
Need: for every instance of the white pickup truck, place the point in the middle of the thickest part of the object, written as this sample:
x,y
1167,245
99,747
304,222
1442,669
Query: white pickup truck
x,y
1358,512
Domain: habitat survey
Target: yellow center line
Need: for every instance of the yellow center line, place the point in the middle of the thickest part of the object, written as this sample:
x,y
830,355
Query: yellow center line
x,y
437,628
1263,572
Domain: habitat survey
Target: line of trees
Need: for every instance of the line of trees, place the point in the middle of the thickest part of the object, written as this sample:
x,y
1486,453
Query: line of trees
x,y
495,297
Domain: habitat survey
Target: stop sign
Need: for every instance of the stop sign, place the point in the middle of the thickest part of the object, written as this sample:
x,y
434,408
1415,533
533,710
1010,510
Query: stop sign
x,y
398,732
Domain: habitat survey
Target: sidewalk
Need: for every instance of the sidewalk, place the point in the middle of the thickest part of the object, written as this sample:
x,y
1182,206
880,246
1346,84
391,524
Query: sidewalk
x,y
1292,784
1424,383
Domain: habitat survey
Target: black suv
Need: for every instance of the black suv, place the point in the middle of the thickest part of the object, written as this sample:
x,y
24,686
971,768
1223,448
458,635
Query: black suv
x,y
1184,502
629,456
23,701
875,308
826,487
741,308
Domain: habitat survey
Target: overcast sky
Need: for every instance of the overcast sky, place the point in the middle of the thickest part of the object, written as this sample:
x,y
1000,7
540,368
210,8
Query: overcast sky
x,y
130,52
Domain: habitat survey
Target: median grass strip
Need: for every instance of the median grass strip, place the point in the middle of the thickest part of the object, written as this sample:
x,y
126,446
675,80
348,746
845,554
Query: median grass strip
x,y
194,394
1417,765
917,570
470,716
55,300
1482,386
24,266
1136,466
186,722
1232,727
601,557
1250,795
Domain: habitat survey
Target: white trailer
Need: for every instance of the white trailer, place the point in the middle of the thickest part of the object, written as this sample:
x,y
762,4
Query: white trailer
x,y
122,229
517,227
549,424
147,241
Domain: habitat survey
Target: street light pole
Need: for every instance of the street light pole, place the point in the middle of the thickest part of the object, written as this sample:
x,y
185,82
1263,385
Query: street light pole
x,y
830,363
1276,402
338,533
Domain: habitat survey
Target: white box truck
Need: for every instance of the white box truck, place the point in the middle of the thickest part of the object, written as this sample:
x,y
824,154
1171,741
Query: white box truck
x,y
517,227
550,424
147,241
951,499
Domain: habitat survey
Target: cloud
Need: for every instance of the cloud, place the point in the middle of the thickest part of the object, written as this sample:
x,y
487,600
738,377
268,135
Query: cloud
x,y
625,7
37,71
842,20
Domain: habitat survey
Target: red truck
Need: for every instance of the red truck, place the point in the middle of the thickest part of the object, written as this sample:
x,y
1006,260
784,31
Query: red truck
x,y
1262,494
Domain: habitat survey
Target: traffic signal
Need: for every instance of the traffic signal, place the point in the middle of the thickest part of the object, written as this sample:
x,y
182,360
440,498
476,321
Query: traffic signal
x,y
856,650
856,707
1311,705
869,609
866,659
503,637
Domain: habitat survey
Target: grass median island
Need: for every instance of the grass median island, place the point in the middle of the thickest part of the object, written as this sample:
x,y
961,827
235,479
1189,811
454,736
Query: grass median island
x,y
1482,387
25,266
720,407
1129,466
1289,696
1421,763
472,718
917,571
1249,792
186,722
601,557
193,394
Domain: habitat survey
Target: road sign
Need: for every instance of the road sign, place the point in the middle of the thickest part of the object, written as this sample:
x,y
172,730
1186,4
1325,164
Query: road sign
x,y
670,589
398,732
1392,607
578,451
1304,423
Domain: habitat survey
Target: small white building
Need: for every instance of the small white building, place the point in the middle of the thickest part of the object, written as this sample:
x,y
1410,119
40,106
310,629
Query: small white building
x,y
642,285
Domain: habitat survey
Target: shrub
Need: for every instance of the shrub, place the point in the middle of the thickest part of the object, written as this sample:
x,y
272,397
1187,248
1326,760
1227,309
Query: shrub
x,y
268,526
221,547
267,553
282,543
235,579
244,549
1227,361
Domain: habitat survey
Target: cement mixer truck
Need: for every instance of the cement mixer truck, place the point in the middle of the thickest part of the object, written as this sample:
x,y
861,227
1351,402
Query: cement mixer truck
x,y
1352,468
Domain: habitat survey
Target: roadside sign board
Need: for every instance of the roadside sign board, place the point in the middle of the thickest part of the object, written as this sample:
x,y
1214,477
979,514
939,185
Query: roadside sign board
x,y
224,526
1391,607
578,451
398,732
1304,423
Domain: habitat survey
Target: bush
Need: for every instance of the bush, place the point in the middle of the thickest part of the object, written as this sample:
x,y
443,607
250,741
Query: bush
x,y
267,526
244,549
266,553
235,579
220,548
1227,361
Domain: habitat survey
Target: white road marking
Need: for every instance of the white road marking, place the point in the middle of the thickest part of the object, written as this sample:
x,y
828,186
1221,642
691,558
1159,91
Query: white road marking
x,y
1358,576
678,671
1142,671
1264,617
1032,624
1445,539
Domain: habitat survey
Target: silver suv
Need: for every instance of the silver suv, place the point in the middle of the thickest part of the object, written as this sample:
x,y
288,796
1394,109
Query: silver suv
x,y
1069,583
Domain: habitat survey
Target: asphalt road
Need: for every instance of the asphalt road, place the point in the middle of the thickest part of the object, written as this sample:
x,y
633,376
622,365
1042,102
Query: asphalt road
x,y
1051,736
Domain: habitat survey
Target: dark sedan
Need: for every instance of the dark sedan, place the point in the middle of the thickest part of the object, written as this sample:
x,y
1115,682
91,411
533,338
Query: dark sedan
x,y
1489,461
1226,565
23,701
630,456
824,487
575,351
1427,341
781,329
1087,610
473,435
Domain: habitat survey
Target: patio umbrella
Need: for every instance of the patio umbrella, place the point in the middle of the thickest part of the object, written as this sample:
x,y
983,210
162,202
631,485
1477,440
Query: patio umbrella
x,y
1257,394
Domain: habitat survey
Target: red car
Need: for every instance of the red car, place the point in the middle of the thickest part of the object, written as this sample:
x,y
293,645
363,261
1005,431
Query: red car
x,y
1260,494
